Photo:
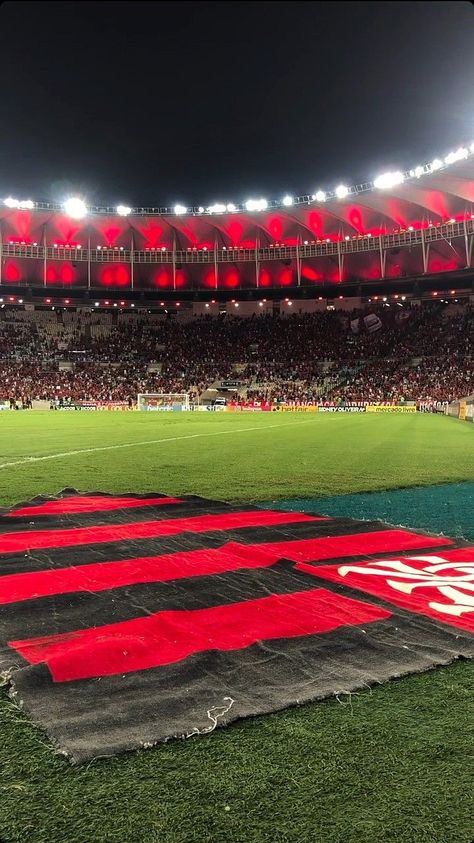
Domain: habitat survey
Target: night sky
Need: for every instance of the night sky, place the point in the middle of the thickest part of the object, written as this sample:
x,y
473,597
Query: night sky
x,y
157,103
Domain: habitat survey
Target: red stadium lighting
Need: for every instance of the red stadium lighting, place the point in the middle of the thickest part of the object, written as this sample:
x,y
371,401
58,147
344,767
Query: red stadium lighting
x,y
177,304
162,304
67,301
122,303
452,292
12,298
435,294
106,302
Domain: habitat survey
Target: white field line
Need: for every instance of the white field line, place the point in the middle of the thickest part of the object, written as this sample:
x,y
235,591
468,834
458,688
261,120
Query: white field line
x,y
63,454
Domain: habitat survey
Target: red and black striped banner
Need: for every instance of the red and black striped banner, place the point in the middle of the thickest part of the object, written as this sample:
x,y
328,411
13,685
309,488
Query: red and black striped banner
x,y
128,620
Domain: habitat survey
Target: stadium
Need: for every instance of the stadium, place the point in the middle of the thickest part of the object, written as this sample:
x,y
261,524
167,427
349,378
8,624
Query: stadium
x,y
236,507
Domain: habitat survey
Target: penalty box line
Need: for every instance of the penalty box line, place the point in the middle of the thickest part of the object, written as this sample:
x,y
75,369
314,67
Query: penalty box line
x,y
64,454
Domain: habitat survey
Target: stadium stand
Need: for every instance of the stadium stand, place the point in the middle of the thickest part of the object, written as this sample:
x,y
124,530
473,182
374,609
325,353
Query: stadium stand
x,y
422,353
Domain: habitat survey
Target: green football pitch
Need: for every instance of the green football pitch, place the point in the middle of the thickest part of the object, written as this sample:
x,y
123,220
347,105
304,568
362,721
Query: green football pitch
x,y
390,765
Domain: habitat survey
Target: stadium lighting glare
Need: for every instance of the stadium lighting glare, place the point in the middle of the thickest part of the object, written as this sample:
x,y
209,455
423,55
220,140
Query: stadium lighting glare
x,y
287,201
418,171
231,208
320,196
452,220
26,204
75,208
96,304
388,180
217,208
179,210
132,304
260,304
436,164
347,237
123,210
256,204
410,228
200,209
341,191
458,155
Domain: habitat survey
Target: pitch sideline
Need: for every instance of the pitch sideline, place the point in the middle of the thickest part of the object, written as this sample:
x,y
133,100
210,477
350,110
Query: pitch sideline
x,y
63,454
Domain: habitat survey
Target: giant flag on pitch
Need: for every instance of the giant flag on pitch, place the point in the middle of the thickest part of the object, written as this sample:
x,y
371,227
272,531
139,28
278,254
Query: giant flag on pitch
x,y
125,621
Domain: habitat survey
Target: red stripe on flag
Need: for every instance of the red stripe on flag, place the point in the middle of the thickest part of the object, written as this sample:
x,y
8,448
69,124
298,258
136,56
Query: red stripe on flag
x,y
171,636
195,563
38,539
88,503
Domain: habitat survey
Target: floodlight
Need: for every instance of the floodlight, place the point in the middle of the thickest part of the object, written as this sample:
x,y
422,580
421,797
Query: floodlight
x,y
123,210
388,180
287,201
217,208
341,191
231,208
320,196
179,210
75,208
24,204
436,164
419,171
458,155
256,204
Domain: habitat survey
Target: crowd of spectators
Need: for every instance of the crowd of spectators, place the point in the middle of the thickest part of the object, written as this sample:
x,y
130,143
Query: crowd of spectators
x,y
423,353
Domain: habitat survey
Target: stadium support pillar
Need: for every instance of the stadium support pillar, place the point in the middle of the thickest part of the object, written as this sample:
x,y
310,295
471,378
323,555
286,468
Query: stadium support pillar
x,y
425,249
468,239
89,261
340,260
174,261
132,247
383,258
45,256
298,261
216,265
257,263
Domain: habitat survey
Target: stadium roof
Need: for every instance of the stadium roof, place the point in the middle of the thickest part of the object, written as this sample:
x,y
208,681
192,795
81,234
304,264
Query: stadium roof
x,y
422,225
436,192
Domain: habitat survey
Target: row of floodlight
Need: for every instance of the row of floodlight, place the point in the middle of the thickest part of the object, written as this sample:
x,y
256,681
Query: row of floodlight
x,y
76,208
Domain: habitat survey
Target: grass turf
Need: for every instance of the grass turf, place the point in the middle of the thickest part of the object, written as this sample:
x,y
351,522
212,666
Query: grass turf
x,y
390,765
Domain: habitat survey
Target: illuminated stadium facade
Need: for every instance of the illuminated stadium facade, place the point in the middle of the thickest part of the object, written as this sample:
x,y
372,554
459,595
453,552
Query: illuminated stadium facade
x,y
404,232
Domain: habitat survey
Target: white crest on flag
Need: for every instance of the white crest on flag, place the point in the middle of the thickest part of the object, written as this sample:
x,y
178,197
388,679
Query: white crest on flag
x,y
457,585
